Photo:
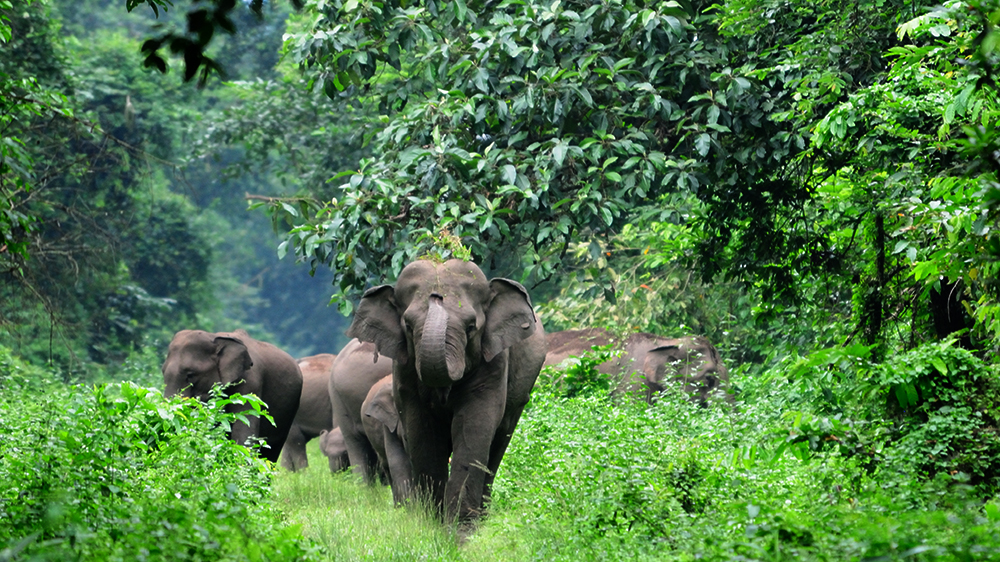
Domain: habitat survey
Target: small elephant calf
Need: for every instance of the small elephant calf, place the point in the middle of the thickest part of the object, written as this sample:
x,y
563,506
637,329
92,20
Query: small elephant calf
x,y
331,442
385,432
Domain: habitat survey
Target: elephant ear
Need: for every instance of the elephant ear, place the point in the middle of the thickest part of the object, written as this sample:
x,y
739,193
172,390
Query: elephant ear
x,y
385,413
509,318
377,321
657,360
234,359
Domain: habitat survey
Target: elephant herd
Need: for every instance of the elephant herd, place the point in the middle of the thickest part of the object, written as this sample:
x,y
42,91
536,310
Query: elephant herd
x,y
428,393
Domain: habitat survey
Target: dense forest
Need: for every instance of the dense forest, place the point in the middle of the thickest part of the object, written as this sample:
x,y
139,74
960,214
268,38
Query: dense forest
x,y
812,186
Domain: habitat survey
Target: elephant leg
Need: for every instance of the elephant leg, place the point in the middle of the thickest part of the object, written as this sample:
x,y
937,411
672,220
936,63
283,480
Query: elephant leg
x,y
241,432
473,430
501,439
398,465
428,442
362,456
293,454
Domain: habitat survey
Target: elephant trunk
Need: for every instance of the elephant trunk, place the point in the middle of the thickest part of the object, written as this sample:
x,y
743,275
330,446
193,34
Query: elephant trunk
x,y
432,355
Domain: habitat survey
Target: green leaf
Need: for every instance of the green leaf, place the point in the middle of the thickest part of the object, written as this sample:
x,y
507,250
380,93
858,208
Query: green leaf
x,y
460,10
702,144
559,152
940,365
509,174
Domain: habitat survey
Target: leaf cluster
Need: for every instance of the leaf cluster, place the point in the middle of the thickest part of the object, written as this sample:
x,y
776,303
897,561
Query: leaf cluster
x,y
116,472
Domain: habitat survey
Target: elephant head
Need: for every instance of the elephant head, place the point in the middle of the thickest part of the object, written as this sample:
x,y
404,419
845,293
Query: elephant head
x,y
692,360
197,360
446,317
331,443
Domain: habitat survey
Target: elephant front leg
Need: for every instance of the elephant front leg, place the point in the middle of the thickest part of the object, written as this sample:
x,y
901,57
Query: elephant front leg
x,y
473,428
241,432
398,464
428,445
293,454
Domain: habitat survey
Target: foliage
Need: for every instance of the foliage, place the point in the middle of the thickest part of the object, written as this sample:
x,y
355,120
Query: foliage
x,y
588,477
96,473
948,410
581,376
511,137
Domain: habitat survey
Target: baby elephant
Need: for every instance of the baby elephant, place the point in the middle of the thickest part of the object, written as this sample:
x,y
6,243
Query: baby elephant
x,y
197,361
331,442
385,432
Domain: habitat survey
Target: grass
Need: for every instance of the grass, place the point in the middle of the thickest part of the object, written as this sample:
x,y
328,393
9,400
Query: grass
x,y
588,478
351,521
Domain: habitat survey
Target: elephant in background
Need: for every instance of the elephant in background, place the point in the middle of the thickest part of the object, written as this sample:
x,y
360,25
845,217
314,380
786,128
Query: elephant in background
x,y
465,355
385,432
356,370
331,442
648,363
314,415
197,361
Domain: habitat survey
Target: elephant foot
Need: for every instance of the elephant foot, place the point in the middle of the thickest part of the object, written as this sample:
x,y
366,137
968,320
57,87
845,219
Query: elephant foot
x,y
464,529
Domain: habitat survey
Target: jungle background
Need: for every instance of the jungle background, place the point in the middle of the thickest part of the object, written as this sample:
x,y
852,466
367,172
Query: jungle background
x,y
811,185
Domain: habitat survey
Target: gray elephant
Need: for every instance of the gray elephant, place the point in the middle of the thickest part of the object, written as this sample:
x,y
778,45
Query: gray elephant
x,y
197,361
314,414
648,363
357,368
385,432
466,352
332,444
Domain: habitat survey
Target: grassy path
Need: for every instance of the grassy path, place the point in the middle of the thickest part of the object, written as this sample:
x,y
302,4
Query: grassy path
x,y
351,521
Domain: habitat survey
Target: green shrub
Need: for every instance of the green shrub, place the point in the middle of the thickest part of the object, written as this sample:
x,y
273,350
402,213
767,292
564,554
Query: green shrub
x,y
946,404
580,375
116,472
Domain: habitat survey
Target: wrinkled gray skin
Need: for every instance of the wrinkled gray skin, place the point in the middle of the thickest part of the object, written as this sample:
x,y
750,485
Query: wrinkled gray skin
x,y
314,415
332,444
385,432
649,363
466,353
354,373
198,360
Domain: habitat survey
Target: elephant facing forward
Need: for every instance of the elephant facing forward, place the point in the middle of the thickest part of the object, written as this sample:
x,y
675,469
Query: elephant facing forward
x,y
466,352
649,363
197,361
314,414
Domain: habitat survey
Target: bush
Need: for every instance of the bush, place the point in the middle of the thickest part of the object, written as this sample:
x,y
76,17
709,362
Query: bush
x,y
947,406
116,472
594,478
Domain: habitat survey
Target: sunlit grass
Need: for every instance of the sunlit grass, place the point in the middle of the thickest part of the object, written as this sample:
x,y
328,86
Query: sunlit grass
x,y
351,521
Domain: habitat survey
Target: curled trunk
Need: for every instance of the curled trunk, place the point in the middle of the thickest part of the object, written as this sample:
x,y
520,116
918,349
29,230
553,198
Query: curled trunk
x,y
432,354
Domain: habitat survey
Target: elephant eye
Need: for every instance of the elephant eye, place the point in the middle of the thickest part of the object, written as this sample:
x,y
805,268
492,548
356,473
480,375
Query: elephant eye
x,y
470,328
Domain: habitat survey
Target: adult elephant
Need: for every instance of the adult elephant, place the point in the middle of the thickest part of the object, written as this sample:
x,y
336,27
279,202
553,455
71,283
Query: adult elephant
x,y
649,363
331,443
314,415
384,429
466,352
356,370
197,361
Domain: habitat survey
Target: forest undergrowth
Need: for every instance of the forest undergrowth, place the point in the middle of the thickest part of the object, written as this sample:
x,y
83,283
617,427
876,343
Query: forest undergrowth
x,y
117,472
